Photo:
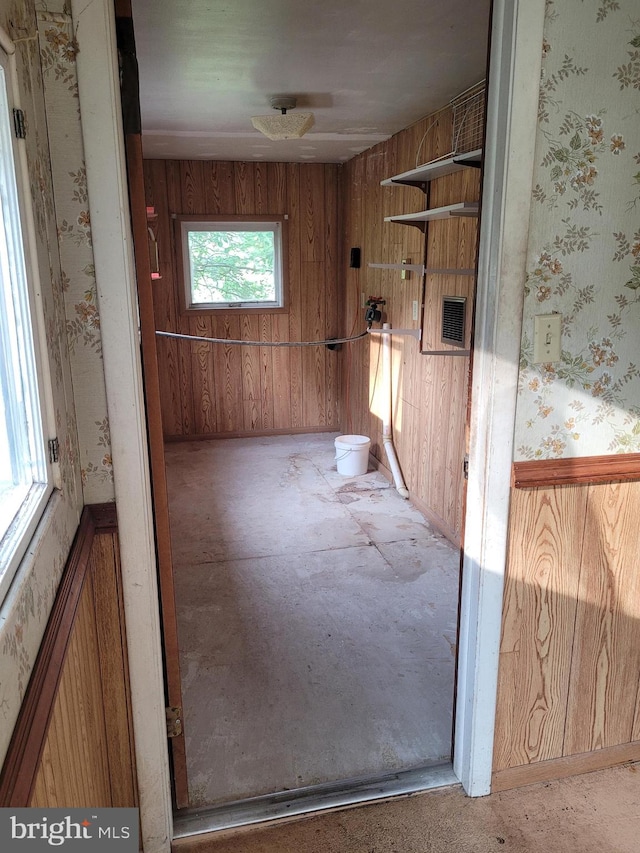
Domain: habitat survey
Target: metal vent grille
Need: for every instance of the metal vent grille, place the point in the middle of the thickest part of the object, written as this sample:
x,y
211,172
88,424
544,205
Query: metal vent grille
x,y
468,119
453,313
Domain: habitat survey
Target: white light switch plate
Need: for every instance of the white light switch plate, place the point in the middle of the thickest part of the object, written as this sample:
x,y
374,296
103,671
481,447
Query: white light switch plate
x,y
547,333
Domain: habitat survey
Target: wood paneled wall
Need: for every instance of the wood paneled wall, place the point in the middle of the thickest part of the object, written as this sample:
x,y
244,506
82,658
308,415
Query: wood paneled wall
x,y
213,390
73,743
569,679
429,392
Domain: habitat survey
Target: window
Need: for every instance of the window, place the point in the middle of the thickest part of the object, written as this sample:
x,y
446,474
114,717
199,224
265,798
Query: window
x,y
232,263
24,471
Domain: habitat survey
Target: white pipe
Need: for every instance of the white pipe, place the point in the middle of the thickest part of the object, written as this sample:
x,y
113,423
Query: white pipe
x,y
7,44
387,435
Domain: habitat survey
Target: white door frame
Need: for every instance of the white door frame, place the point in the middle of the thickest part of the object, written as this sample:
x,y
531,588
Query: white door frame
x,y
511,116
512,108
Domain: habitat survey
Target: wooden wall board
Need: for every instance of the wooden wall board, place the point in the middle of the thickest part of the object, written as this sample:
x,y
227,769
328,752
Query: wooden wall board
x,y
605,671
561,768
569,676
540,598
108,606
295,292
436,390
73,743
212,389
77,728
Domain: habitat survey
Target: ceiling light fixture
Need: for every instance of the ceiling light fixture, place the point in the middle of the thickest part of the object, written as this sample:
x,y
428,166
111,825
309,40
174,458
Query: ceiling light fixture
x,y
285,125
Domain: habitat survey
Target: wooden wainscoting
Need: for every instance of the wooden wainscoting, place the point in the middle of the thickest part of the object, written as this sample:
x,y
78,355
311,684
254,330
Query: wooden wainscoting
x,y
569,677
209,391
73,742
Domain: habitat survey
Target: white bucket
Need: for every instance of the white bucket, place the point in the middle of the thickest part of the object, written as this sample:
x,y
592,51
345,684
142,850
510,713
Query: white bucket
x,y
352,454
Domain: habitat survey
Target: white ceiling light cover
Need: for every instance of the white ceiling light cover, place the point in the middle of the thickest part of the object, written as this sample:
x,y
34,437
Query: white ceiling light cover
x,y
284,126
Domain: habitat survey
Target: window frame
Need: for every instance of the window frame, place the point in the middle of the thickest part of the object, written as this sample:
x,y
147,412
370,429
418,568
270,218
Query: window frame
x,y
20,241
182,223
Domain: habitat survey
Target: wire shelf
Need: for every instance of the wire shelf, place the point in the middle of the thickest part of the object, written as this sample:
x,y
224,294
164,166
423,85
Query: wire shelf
x,y
468,119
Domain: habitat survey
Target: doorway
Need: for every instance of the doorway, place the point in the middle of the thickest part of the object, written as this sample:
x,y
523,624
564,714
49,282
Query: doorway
x,y
211,391
515,55
214,393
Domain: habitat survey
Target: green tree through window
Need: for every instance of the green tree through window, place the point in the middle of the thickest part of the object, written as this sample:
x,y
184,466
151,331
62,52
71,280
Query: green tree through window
x,y
229,264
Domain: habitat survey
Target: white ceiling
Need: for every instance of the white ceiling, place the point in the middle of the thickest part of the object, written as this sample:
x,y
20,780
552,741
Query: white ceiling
x,y
365,68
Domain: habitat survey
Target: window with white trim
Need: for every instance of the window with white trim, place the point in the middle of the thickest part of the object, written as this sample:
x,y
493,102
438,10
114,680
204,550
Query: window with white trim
x,y
25,480
232,263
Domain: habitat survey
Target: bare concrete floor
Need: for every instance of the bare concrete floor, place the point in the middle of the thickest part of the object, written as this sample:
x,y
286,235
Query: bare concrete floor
x,y
594,813
316,617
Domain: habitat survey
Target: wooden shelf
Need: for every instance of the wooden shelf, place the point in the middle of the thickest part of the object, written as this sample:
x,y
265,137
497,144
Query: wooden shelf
x,y
463,208
421,176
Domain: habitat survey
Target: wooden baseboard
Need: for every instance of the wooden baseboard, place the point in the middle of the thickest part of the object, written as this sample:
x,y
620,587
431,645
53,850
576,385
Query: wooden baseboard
x,y
27,742
211,436
620,467
560,768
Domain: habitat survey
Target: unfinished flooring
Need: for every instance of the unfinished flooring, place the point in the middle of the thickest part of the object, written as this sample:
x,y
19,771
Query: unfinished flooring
x,y
595,813
316,619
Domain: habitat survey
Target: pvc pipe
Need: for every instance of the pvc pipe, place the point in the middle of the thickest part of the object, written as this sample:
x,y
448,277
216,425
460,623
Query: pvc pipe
x,y
387,435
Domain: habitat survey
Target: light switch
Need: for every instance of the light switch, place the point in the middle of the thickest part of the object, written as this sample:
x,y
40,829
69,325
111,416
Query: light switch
x,y
547,331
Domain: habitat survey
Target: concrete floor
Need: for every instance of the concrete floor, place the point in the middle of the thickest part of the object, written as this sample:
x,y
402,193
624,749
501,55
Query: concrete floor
x,y
316,619
594,813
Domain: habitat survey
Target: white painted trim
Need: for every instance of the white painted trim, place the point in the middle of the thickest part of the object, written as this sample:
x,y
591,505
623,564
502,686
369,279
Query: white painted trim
x,y
514,76
112,246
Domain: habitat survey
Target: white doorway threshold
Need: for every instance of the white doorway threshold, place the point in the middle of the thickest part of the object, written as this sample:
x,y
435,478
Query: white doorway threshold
x,y
315,798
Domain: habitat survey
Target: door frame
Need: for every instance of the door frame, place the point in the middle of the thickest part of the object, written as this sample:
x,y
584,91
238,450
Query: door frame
x,y
512,105
515,58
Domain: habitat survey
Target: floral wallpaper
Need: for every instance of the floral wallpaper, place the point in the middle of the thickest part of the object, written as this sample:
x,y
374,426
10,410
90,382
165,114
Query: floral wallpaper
x,y
24,612
58,59
584,239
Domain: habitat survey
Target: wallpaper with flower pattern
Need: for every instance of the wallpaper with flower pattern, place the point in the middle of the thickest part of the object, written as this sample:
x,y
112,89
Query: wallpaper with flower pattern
x,y
584,240
58,58
24,612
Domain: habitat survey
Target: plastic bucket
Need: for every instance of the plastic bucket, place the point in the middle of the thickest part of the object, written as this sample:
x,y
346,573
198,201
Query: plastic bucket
x,y
352,454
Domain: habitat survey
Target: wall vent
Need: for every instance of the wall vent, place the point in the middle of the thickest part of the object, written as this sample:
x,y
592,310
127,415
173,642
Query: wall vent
x,y
453,315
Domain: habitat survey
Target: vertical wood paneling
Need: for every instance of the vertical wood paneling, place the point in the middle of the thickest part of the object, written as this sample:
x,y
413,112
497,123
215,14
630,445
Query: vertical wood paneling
x,y
430,436
251,393
87,758
227,365
570,650
77,725
174,172
114,667
606,661
333,293
216,390
538,623
73,741
165,297
295,292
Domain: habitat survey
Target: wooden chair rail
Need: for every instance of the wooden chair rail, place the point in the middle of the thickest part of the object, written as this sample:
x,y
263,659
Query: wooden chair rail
x,y
581,470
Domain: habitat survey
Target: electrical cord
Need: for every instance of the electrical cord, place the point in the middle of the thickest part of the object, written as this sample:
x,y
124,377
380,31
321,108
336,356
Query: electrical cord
x,y
227,341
